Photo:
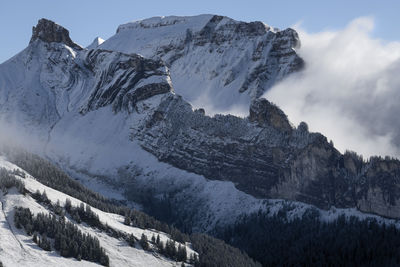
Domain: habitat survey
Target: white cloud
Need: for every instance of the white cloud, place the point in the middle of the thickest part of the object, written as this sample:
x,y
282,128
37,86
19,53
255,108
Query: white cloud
x,y
349,89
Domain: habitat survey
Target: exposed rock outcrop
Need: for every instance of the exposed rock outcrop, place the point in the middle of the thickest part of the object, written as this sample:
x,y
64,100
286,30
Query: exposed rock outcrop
x,y
123,80
48,31
267,158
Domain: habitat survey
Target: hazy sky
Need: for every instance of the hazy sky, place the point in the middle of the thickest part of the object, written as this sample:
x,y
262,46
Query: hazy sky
x,y
90,18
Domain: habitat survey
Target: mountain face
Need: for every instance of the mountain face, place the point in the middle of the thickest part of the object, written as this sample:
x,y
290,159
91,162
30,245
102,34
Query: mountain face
x,y
232,62
110,116
267,158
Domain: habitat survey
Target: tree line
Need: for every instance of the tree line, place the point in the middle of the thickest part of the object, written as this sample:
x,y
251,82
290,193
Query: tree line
x,y
68,239
8,180
83,213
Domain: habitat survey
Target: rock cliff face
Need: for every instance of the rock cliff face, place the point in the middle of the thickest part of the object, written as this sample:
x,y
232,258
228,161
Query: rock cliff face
x,y
122,80
267,158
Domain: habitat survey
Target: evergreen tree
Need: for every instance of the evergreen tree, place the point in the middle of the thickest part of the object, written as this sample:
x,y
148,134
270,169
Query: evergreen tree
x,y
45,243
44,198
182,253
131,240
161,248
58,209
144,242
68,205
127,220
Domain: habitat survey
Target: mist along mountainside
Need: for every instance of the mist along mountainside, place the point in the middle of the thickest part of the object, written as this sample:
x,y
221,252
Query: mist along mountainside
x,y
113,117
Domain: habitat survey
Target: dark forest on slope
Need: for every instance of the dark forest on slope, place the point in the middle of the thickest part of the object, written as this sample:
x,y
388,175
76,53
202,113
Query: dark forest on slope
x,y
308,241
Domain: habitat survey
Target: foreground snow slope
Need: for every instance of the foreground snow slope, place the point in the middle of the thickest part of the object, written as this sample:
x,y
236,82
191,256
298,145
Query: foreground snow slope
x,y
18,249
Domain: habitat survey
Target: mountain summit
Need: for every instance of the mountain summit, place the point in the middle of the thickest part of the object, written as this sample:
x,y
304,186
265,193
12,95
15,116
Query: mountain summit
x,y
49,31
233,62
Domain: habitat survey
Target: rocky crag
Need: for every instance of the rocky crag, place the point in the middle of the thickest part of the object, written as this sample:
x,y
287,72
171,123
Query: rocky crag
x,y
263,155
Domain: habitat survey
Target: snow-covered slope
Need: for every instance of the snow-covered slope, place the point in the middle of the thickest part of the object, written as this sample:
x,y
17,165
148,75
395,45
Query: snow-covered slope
x,y
231,61
18,249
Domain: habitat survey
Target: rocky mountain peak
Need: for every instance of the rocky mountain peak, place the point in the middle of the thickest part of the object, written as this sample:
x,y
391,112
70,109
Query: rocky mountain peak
x,y
210,49
49,31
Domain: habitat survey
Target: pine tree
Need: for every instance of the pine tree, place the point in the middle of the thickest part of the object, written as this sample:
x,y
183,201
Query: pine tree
x,y
81,208
35,238
37,194
44,198
63,247
104,260
29,228
170,249
68,205
182,253
127,220
45,243
144,242
131,240
160,246
58,209
195,259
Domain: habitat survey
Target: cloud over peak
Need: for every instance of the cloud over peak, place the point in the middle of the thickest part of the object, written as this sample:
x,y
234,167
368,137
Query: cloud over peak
x,y
349,90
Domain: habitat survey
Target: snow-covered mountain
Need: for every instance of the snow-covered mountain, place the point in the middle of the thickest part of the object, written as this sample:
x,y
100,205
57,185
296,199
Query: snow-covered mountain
x,y
80,107
116,120
215,62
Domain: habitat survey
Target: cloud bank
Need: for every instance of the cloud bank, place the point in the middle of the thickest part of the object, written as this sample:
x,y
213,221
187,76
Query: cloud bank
x,y
349,89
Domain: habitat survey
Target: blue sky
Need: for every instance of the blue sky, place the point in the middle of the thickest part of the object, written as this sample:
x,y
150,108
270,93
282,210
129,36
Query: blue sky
x,y
90,18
